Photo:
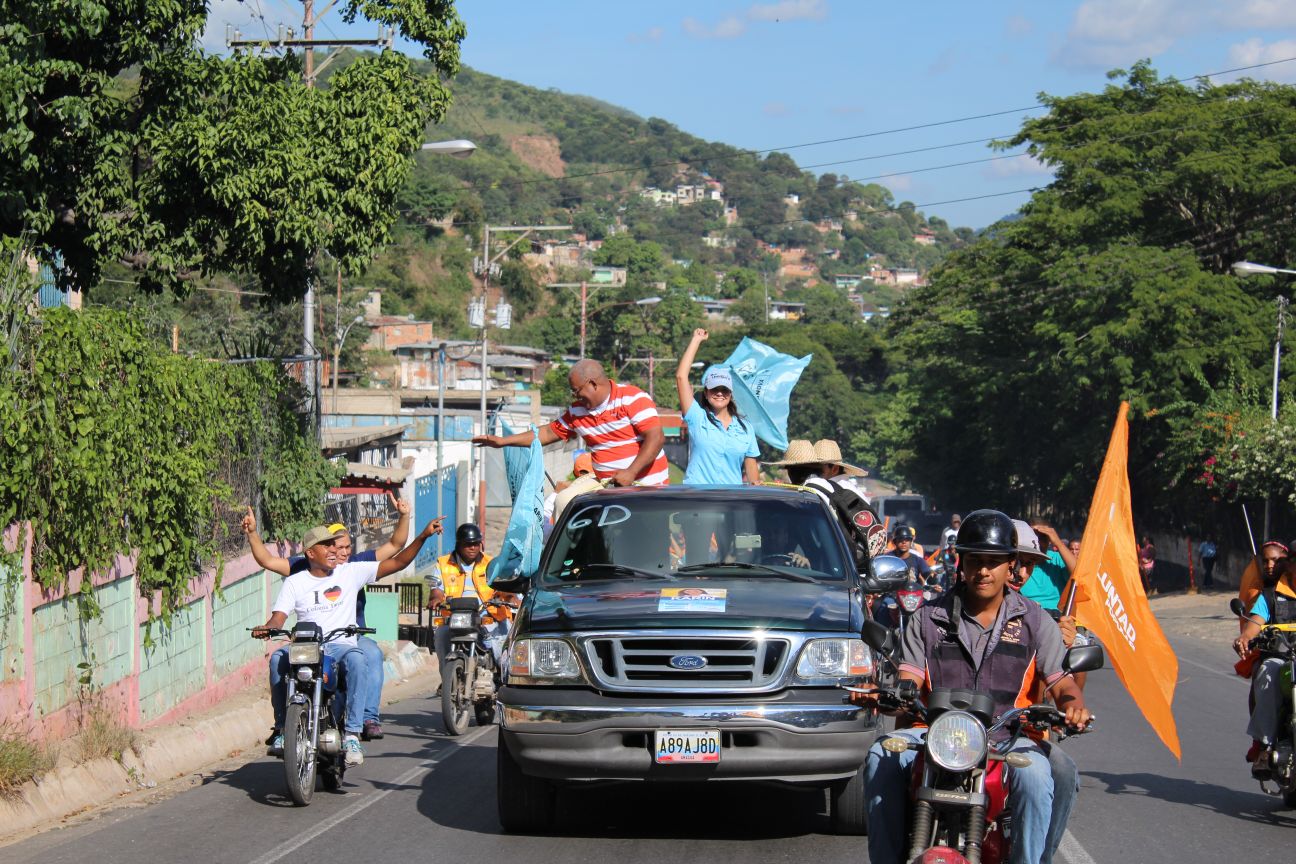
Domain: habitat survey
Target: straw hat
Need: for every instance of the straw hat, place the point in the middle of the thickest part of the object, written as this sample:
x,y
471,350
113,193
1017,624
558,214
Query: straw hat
x,y
827,452
799,452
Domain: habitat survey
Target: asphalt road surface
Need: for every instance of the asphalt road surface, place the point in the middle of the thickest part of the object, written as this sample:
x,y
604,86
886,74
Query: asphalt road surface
x,y
423,796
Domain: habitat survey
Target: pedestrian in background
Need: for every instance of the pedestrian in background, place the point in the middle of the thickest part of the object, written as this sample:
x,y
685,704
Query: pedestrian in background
x,y
1147,563
1207,552
722,448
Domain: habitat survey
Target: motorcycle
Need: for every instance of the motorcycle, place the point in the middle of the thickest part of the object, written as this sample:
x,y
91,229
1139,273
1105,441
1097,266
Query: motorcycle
x,y
470,675
894,609
1277,640
959,811
315,715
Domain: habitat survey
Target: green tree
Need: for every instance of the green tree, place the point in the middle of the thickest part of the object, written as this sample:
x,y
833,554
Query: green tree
x,y
203,163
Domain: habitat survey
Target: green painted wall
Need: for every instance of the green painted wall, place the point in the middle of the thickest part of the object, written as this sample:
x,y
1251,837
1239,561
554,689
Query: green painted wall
x,y
175,666
11,627
242,606
61,640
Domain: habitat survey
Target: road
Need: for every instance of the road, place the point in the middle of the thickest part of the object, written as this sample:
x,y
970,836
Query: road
x,y
421,795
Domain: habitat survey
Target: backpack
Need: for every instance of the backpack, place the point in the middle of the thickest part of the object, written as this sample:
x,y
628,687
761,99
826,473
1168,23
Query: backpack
x,y
857,517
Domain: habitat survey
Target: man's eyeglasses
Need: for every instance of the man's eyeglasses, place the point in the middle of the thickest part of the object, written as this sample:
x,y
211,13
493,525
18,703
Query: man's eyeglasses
x,y
576,391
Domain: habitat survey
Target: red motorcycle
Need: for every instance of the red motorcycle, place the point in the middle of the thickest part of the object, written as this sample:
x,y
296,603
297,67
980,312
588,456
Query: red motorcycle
x,y
959,811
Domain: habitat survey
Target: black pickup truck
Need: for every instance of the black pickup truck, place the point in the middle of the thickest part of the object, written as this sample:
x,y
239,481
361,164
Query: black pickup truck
x,y
681,634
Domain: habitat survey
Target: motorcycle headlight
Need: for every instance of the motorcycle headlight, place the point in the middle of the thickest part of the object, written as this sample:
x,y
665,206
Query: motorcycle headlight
x,y
461,621
834,658
304,653
305,674
542,661
956,741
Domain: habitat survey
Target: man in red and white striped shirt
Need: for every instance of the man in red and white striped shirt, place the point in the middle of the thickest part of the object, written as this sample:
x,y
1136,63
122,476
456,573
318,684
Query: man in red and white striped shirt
x,y
617,422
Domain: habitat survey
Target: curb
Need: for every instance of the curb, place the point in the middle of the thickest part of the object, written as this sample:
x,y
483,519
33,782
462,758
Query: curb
x,y
185,747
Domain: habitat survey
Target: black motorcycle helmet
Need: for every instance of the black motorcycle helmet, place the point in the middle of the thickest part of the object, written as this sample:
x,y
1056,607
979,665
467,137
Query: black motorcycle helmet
x,y
904,532
988,532
467,534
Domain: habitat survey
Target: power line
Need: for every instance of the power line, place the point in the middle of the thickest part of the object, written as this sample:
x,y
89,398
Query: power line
x,y
860,136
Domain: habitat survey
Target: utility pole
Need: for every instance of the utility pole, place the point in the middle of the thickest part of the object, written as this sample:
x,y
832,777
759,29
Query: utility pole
x,y
1273,410
288,39
484,266
584,300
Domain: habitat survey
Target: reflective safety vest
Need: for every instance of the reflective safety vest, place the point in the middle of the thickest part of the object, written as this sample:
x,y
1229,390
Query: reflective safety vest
x,y
452,578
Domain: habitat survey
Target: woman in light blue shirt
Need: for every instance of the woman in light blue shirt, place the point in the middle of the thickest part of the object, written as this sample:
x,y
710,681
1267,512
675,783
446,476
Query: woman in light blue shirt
x,y
722,448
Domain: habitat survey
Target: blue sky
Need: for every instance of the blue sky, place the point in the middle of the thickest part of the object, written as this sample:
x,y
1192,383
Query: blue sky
x,y
788,72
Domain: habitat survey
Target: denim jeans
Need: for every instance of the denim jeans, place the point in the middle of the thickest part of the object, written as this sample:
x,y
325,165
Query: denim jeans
x,y
374,661
1030,794
1268,700
354,682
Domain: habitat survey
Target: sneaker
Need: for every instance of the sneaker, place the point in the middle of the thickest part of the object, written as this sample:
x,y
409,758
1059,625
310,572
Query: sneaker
x,y
1260,767
372,731
274,745
353,754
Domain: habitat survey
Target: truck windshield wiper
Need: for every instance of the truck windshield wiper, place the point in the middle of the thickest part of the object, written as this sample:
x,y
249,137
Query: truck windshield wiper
x,y
743,565
612,571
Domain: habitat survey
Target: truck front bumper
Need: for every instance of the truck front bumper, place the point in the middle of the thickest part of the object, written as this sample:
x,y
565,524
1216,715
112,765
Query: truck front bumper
x,y
797,736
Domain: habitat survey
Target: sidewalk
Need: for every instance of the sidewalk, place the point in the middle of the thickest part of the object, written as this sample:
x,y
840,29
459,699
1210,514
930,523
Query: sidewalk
x,y
1201,616
236,727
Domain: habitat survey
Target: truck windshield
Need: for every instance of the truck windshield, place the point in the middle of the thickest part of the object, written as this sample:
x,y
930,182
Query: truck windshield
x,y
660,534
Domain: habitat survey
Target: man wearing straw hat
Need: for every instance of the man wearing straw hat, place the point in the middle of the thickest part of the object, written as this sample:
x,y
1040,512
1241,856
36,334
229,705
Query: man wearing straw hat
x,y
820,468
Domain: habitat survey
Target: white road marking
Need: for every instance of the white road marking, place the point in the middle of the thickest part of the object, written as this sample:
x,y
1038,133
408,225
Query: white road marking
x,y
1072,852
289,846
1211,669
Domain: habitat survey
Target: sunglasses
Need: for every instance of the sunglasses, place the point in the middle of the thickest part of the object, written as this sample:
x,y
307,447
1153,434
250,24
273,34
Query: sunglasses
x,y
724,392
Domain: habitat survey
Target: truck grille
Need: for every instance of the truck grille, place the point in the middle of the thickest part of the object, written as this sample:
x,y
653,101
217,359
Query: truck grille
x,y
644,662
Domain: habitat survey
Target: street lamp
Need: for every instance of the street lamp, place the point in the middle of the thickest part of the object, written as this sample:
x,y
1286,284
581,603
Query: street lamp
x,y
1250,268
459,148
337,353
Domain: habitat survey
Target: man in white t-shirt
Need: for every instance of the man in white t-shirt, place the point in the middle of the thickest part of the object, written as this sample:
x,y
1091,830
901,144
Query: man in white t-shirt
x,y
325,594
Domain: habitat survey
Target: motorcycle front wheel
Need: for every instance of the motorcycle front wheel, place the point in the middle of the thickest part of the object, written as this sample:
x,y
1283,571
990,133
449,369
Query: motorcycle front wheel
x,y
299,755
456,705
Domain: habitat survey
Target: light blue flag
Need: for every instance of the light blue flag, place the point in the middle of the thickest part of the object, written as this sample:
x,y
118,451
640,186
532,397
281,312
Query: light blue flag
x,y
516,462
524,538
762,387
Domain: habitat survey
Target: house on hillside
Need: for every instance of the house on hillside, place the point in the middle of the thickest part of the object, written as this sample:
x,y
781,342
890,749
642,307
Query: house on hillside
x,y
791,198
658,196
717,310
799,270
847,280
603,275
389,332
905,276
924,237
784,310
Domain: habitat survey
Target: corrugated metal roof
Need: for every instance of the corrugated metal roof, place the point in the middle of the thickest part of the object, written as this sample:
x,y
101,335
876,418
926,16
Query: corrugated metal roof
x,y
347,438
379,473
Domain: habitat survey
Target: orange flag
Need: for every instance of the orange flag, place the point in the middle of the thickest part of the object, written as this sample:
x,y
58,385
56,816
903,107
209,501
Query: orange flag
x,y
1111,601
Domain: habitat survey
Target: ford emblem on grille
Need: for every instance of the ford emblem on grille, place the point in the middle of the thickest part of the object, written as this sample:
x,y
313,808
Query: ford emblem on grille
x,y
687,661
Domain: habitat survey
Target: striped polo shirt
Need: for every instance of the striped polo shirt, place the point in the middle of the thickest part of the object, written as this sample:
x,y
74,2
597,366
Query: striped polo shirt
x,y
613,432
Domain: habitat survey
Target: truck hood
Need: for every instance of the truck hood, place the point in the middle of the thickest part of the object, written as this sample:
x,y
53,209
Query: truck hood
x,y
756,602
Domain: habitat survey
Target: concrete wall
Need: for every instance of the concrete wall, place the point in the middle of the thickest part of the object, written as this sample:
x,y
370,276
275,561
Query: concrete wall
x,y
126,658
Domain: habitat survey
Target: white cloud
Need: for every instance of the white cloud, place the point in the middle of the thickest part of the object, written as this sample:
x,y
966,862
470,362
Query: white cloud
x,y
898,183
733,26
728,28
775,109
1107,33
1021,165
789,10
1256,50
652,34
1263,14
1018,27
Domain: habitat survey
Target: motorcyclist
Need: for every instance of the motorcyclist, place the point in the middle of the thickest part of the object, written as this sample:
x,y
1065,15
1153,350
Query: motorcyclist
x,y
462,573
326,595
981,635
1270,607
902,539
345,549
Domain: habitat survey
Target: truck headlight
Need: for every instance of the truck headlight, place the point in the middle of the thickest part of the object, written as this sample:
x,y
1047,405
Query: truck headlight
x,y
956,741
835,658
542,661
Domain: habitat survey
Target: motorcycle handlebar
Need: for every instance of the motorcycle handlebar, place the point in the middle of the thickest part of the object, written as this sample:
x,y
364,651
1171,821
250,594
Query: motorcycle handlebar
x,y
349,630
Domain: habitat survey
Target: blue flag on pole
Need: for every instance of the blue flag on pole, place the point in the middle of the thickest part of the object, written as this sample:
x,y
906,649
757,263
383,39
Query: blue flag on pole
x,y
524,538
762,387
